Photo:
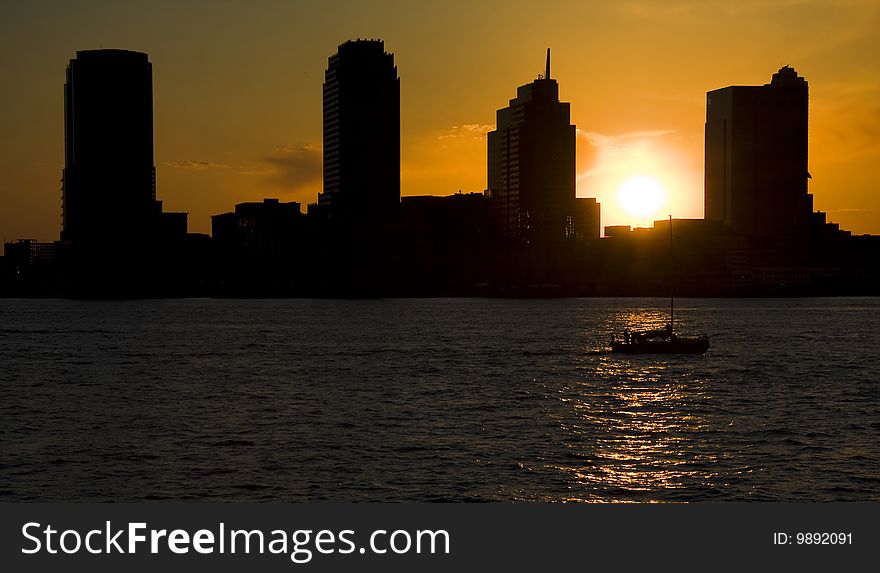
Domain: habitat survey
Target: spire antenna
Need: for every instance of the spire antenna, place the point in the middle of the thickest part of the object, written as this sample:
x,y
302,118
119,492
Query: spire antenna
x,y
547,73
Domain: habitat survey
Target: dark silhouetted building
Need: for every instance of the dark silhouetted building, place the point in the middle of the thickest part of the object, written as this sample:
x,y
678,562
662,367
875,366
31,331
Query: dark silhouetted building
x,y
260,247
29,269
266,227
172,226
531,165
756,155
361,132
756,186
617,231
109,181
587,219
445,242
115,240
25,254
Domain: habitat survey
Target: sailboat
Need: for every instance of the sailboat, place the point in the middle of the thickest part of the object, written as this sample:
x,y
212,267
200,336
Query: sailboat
x,y
661,341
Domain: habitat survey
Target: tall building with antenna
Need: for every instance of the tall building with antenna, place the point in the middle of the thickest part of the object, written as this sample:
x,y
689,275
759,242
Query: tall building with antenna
x,y
531,165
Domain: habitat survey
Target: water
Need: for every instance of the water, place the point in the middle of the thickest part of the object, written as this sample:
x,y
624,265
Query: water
x,y
437,399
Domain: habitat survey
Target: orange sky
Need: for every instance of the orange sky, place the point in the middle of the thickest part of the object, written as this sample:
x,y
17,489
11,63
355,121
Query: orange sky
x,y
237,92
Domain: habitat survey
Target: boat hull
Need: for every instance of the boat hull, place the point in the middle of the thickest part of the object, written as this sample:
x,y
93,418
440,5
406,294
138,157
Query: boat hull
x,y
697,345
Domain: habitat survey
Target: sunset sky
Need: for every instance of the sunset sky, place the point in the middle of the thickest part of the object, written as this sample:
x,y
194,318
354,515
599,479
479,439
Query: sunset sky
x,y
237,93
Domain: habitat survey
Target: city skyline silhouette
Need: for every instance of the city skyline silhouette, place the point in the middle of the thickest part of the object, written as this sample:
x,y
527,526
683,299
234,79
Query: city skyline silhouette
x,y
240,120
531,235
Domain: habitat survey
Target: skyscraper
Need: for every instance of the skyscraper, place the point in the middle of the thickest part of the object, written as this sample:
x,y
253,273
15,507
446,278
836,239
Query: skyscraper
x,y
361,132
531,164
756,155
109,181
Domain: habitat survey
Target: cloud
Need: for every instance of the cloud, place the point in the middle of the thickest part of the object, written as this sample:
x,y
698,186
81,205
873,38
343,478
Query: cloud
x,y
600,153
295,168
467,131
195,165
619,140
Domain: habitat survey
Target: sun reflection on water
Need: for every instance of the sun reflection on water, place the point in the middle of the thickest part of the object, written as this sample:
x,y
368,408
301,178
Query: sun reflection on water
x,y
635,427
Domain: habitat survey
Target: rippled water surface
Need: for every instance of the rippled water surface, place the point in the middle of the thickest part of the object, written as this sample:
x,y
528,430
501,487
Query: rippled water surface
x,y
436,399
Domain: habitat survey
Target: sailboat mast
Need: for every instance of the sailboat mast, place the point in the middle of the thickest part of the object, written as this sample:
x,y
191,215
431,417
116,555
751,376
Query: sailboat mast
x,y
671,282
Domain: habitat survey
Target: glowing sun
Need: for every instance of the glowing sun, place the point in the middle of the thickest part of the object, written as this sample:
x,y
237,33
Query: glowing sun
x,y
641,196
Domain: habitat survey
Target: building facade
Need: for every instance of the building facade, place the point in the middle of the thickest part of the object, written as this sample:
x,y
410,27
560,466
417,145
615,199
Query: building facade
x,y
109,178
269,226
756,155
361,132
531,165
587,219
